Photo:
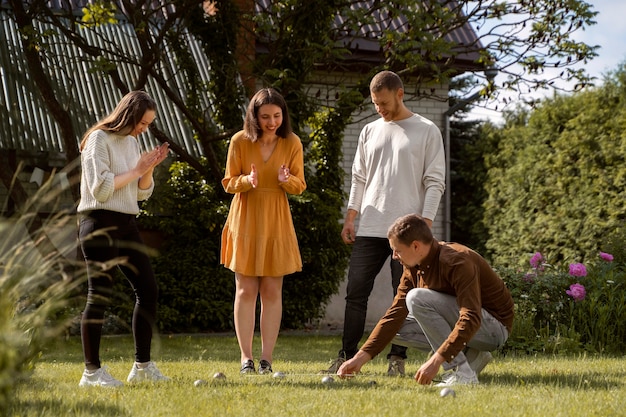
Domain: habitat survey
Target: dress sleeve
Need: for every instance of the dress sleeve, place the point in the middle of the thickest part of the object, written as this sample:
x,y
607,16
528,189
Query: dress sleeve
x,y
295,184
236,176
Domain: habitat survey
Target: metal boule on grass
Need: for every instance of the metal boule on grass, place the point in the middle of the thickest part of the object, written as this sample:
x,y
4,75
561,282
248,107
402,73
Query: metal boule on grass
x,y
278,375
199,382
327,380
219,376
447,392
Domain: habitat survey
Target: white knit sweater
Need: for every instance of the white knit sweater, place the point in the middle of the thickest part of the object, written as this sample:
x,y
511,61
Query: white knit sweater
x,y
105,156
399,168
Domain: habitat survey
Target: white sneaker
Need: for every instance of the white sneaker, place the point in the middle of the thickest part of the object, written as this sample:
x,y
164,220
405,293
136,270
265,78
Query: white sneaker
x,y
98,378
149,373
479,361
462,375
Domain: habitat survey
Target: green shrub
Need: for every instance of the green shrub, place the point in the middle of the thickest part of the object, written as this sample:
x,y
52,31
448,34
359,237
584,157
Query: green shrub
x,y
36,280
196,291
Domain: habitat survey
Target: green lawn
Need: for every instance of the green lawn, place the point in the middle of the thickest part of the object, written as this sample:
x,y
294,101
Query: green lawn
x,y
510,386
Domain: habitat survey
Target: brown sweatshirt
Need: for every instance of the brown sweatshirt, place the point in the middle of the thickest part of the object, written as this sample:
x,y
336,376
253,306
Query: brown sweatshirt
x,y
452,269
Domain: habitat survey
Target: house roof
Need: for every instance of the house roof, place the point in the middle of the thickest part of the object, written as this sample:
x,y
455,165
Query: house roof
x,y
25,123
365,45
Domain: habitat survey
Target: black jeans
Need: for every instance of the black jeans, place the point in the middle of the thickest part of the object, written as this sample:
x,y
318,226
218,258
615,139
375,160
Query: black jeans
x,y
368,257
118,244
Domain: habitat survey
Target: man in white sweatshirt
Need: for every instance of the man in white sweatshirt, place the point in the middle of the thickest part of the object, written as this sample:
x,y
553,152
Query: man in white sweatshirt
x,y
398,169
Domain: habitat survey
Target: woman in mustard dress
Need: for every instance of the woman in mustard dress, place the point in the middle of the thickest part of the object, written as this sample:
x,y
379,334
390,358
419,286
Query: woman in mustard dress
x,y
259,244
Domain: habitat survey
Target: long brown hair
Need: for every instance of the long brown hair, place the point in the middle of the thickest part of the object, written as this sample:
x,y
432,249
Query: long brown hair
x,y
126,115
264,96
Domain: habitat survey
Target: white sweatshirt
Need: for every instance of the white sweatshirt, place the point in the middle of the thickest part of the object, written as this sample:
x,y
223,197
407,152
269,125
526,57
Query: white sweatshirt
x,y
398,169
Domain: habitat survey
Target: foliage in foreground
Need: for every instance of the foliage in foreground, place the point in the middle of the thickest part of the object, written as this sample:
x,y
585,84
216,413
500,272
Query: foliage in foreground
x,y
515,385
35,280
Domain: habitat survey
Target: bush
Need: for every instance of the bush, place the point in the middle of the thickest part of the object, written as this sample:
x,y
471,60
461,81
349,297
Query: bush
x,y
566,311
36,280
196,291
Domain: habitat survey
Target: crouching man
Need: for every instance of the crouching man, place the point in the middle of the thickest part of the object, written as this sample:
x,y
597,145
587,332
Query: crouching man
x,y
449,301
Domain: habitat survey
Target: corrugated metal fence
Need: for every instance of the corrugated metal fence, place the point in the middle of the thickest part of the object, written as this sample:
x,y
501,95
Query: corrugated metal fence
x,y
25,123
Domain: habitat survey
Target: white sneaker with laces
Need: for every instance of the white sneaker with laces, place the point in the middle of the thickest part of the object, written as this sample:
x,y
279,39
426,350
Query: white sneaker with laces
x,y
149,373
462,375
98,378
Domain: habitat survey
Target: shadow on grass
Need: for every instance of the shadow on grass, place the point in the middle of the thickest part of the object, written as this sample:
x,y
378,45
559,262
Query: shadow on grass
x,y
558,379
35,407
298,381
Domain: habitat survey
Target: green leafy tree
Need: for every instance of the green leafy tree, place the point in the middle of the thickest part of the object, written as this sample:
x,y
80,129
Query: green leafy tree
x,y
557,180
313,53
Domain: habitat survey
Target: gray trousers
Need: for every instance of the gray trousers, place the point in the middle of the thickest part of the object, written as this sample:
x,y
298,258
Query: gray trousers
x,y
433,315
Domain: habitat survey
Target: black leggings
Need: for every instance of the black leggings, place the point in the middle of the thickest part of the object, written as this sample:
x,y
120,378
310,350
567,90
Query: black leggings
x,y
119,240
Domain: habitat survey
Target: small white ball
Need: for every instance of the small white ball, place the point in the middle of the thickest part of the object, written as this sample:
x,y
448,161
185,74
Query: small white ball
x,y
199,382
327,380
447,392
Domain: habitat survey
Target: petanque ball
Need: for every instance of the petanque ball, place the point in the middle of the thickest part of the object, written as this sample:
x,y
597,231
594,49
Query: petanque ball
x,y
447,392
219,375
278,375
199,382
327,380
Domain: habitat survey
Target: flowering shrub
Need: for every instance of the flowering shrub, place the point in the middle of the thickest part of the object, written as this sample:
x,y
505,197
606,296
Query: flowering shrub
x,y
576,291
577,270
606,256
536,262
557,311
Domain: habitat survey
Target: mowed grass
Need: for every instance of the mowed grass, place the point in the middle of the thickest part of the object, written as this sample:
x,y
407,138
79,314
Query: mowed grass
x,y
510,386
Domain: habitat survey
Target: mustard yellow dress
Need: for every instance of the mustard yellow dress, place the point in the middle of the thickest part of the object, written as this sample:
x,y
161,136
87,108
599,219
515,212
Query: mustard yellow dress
x,y
259,238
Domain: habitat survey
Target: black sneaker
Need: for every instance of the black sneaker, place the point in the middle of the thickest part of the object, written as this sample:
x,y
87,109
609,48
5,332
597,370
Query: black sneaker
x,y
247,367
396,366
334,366
265,367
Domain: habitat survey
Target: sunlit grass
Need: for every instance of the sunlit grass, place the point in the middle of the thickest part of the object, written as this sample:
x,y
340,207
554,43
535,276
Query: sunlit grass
x,y
510,386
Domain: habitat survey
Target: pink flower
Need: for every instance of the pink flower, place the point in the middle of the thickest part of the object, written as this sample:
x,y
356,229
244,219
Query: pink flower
x,y
577,270
606,256
577,292
537,260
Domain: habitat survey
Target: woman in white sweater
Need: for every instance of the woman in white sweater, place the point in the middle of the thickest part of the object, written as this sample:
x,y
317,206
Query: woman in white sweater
x,y
115,177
